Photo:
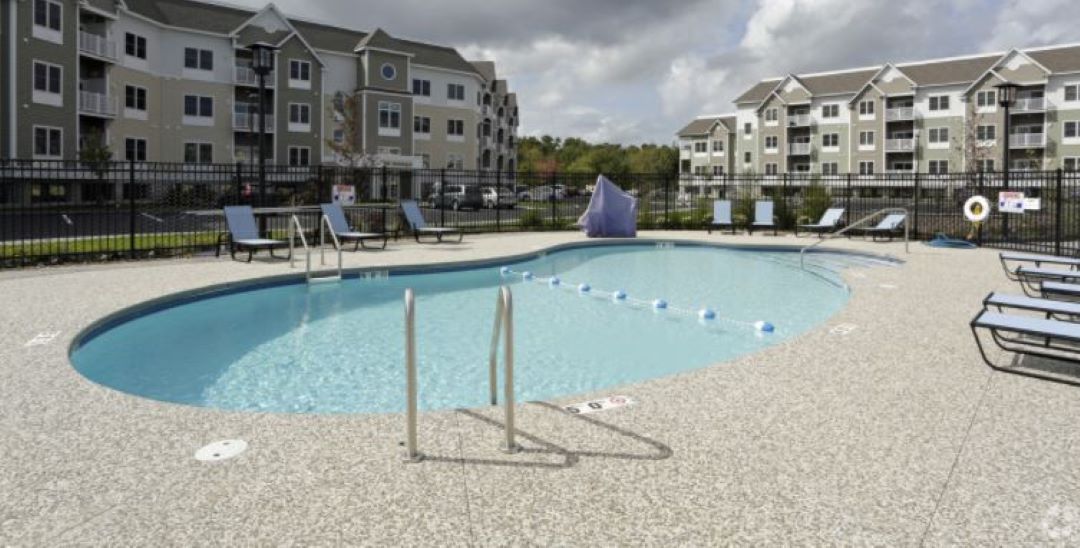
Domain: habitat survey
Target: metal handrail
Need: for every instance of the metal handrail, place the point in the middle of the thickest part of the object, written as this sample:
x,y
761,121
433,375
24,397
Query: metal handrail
x,y
504,322
324,223
412,454
294,228
907,231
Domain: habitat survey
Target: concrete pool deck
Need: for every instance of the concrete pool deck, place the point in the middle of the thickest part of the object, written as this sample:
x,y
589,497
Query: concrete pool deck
x,y
882,426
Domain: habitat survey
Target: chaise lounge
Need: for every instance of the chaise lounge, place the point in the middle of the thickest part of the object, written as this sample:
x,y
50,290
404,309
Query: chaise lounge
x,y
828,223
721,216
335,214
415,218
243,234
889,227
763,216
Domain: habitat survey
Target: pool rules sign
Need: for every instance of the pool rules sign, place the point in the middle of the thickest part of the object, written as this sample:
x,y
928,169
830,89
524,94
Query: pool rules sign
x,y
1011,202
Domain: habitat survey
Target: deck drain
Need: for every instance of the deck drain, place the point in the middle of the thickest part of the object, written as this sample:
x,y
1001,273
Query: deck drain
x,y
603,404
221,450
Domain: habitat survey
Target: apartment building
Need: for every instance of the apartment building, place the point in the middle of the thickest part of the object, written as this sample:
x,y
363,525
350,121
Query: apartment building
x,y
933,116
172,81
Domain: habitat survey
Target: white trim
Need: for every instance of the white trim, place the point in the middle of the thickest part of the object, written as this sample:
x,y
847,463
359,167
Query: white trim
x,y
298,83
299,127
45,33
135,113
13,74
45,97
873,141
381,50
288,155
83,6
1070,140
197,119
33,143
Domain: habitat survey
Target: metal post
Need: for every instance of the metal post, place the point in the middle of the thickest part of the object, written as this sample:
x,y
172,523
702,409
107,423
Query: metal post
x,y
498,206
982,192
239,182
847,195
493,355
411,452
508,365
551,197
1057,213
442,197
131,206
915,206
1005,173
262,142
667,203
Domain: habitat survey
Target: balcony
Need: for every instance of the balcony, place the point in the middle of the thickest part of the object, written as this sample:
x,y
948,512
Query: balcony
x,y
1027,140
900,114
798,149
98,104
97,45
247,121
899,145
1025,105
245,76
798,120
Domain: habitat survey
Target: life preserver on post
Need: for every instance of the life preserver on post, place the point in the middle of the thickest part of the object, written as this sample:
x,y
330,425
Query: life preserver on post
x,y
977,209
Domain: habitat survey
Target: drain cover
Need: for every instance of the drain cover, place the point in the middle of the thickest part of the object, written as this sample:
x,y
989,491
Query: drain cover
x,y
221,450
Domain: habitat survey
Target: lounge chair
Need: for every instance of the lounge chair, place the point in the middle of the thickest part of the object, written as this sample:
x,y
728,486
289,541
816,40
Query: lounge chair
x,y
1059,291
721,216
415,218
1032,278
828,223
1062,310
1037,260
889,226
1030,336
244,234
763,216
340,225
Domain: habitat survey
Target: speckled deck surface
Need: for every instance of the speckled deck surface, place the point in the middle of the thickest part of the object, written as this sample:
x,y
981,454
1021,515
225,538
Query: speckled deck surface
x,y
894,433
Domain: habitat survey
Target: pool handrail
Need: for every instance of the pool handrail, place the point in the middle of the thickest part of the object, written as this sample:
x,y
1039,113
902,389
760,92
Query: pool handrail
x,y
412,454
324,228
504,323
294,229
864,220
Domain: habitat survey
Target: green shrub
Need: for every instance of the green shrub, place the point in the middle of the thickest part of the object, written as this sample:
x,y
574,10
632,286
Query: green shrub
x,y
531,218
815,201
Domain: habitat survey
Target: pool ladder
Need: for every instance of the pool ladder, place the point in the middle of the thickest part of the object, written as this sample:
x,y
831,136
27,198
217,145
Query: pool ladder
x,y
504,330
862,221
296,229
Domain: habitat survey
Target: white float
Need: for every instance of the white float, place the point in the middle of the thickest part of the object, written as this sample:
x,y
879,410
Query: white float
x,y
977,209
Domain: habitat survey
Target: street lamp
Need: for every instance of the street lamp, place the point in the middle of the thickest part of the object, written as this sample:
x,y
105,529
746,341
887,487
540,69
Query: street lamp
x,y
1006,98
262,62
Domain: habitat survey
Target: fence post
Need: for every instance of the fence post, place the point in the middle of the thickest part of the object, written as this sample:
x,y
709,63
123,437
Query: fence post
x,y
1057,213
667,201
442,197
915,208
131,207
551,198
498,206
847,197
982,192
783,197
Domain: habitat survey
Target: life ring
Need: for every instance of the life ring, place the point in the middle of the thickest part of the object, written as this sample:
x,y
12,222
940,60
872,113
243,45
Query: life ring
x,y
977,209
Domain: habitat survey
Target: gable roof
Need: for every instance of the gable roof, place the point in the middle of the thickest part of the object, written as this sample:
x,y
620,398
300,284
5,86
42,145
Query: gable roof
x,y
700,126
759,91
1057,59
950,71
484,68
728,121
838,83
189,14
378,39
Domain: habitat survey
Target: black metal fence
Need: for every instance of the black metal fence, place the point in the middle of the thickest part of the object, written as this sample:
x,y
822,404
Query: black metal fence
x,y
53,211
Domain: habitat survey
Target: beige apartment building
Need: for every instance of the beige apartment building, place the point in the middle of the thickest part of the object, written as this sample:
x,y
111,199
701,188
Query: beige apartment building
x,y
172,81
936,116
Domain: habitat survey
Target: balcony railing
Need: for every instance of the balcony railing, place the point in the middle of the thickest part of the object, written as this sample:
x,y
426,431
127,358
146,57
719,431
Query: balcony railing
x,y
899,145
899,114
247,121
1027,140
798,148
1029,104
96,103
245,75
96,45
798,120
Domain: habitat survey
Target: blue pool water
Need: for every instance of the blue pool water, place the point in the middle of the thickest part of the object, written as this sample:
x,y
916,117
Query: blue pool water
x,y
339,348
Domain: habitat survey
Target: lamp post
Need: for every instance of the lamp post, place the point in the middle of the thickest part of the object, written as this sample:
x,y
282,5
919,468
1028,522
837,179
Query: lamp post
x,y
1006,98
262,62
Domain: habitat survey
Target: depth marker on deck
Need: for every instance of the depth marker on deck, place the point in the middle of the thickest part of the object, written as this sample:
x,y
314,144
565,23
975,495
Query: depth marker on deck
x,y
43,338
604,404
843,329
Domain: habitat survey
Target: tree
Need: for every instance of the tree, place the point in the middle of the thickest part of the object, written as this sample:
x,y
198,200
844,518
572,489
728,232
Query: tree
x,y
547,155
96,155
346,112
969,146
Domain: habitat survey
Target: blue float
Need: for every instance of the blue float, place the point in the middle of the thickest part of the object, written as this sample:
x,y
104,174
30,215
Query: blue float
x,y
764,327
554,281
505,271
618,295
707,314
584,288
526,275
659,304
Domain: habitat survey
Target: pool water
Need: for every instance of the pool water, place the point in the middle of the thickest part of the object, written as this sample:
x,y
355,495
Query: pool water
x,y
339,348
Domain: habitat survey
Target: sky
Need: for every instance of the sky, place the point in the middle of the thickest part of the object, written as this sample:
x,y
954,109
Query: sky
x,y
635,71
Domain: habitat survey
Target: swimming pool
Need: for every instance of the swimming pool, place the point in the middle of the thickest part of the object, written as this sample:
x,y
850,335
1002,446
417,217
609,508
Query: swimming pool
x,y
339,348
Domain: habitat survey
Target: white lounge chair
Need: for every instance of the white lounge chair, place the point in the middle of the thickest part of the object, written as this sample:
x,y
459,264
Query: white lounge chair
x,y
1025,335
340,225
1037,260
721,216
415,218
829,221
244,233
763,216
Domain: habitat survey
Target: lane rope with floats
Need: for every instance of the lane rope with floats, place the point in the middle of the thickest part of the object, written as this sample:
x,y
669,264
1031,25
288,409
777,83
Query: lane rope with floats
x,y
705,314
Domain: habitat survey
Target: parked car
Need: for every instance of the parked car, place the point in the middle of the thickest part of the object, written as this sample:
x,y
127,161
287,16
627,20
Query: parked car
x,y
456,196
498,198
543,193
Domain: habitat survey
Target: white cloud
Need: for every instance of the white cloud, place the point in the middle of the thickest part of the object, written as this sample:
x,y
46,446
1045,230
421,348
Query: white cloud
x,y
1022,23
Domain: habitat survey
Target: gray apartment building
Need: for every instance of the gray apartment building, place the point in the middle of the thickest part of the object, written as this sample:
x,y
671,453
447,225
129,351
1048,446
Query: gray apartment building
x,y
936,116
172,81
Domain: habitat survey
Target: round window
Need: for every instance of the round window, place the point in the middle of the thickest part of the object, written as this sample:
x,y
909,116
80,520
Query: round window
x,y
388,71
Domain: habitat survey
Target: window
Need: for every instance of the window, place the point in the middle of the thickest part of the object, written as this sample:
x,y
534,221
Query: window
x,y
717,146
47,77
455,161
772,142
421,87
701,147
830,140
830,168
339,136
198,59
1071,164
300,114
770,169
421,124
198,153
830,111
939,135
986,133
986,99
717,170
1072,93
772,115
48,14
135,98
747,157
48,142
939,102
196,106
389,115
1071,130
938,167
866,109
388,71
866,139
984,166
455,92
455,128
135,45
866,168
299,71
299,156
747,128
135,149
